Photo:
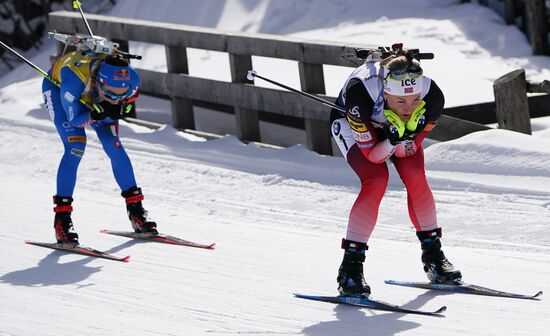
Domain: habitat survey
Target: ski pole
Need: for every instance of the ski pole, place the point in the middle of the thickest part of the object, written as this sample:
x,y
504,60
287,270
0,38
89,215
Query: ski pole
x,y
47,76
40,71
78,5
34,66
252,74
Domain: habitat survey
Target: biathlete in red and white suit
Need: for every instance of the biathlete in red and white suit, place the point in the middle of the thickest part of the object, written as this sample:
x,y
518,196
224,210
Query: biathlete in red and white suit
x,y
390,108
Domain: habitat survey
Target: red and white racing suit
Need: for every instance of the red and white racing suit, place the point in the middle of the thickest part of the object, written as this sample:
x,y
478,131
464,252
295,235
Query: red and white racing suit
x,y
364,145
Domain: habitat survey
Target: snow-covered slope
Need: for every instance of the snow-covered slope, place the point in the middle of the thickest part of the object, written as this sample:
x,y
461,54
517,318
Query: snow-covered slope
x,y
277,216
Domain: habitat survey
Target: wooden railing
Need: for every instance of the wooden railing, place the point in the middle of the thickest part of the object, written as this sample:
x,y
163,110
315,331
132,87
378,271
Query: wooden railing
x,y
245,98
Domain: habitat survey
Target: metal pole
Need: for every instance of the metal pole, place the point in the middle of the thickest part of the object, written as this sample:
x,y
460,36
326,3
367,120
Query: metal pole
x,y
77,5
252,73
35,67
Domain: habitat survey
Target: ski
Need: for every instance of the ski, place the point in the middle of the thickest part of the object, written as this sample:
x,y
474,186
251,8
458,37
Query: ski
x,y
364,302
160,238
79,249
463,288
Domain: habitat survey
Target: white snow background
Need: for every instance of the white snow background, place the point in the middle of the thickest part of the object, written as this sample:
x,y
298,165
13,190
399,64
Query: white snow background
x,y
277,215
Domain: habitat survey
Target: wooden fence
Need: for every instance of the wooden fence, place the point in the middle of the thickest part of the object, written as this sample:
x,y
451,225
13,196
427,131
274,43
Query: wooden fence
x,y
245,98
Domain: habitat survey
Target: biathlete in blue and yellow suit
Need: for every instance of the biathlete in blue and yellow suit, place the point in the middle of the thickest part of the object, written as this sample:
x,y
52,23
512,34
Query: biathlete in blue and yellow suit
x,y
110,85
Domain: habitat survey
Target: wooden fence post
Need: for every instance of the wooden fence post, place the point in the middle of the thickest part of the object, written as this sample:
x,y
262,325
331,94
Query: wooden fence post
x,y
248,121
312,80
537,25
511,102
510,11
182,108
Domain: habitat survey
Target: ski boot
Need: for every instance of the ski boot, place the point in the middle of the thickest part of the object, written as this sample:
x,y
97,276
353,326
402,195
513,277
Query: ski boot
x,y
438,269
350,275
141,223
63,225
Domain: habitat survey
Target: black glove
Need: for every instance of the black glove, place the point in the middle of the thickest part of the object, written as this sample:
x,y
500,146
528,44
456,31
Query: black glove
x,y
107,110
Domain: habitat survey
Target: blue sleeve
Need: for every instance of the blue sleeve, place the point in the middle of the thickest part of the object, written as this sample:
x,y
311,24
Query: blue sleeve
x,y
71,90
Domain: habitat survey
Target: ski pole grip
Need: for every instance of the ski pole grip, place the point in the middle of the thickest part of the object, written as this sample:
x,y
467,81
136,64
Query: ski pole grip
x,y
251,74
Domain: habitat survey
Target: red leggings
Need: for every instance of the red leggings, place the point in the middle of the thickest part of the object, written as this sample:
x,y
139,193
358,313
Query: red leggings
x,y
374,179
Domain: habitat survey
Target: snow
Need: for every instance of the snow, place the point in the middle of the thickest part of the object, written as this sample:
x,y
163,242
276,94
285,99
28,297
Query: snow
x,y
277,215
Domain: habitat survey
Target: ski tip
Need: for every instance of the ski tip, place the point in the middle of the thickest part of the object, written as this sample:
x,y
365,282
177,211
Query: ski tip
x,y
125,259
537,295
104,231
212,246
304,296
441,310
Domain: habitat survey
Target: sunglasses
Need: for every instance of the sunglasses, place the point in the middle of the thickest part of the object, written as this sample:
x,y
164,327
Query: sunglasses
x,y
110,94
411,71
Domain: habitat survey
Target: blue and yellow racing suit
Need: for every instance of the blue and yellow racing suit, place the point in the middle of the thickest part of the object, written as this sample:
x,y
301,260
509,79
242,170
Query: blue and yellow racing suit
x,y
75,71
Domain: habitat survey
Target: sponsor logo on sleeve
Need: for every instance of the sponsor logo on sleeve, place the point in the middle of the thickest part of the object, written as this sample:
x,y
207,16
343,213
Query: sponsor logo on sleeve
x,y
410,148
69,97
362,136
77,139
367,145
48,103
77,152
357,126
70,113
336,127
67,126
354,112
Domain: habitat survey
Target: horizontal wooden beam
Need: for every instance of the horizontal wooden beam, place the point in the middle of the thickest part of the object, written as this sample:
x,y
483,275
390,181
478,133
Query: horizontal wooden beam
x,y
235,94
178,35
542,87
449,128
271,100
